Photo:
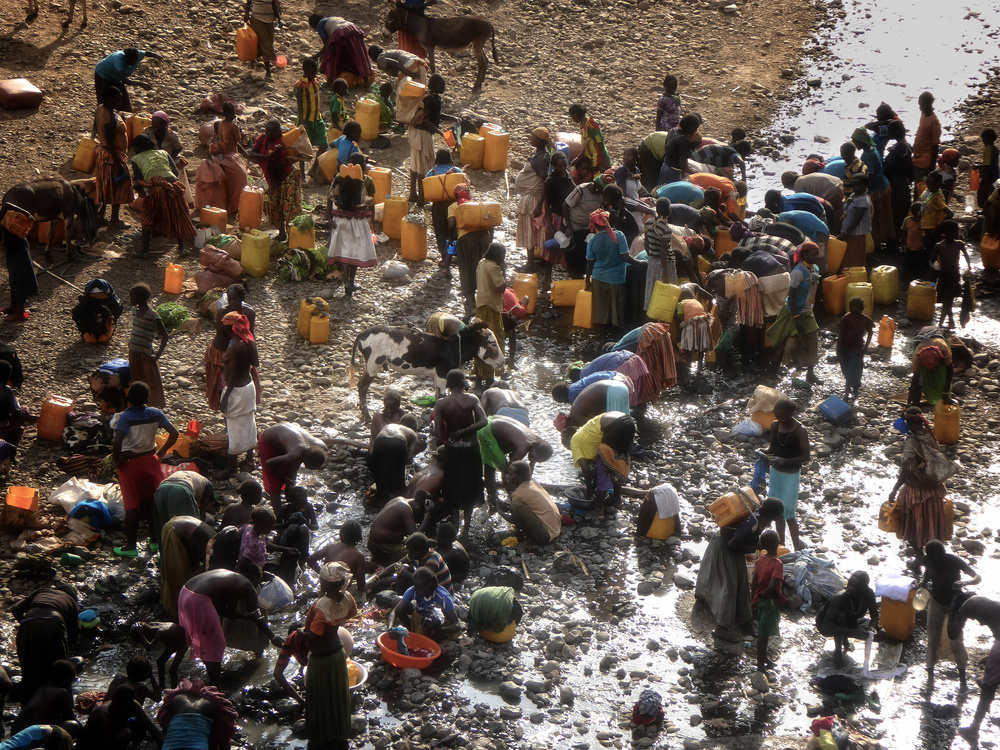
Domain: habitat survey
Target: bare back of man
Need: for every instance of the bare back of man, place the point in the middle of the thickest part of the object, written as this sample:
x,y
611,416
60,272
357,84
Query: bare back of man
x,y
494,399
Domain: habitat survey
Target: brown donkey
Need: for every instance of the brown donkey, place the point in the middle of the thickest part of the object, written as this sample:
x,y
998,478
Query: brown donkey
x,y
452,34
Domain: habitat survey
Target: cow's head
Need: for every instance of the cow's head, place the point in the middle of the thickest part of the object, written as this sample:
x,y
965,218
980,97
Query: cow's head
x,y
488,348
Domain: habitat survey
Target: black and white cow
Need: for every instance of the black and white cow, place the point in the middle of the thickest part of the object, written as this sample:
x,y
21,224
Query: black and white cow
x,y
413,352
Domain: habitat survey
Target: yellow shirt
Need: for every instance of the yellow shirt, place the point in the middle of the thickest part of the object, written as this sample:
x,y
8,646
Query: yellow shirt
x,y
934,211
587,440
490,284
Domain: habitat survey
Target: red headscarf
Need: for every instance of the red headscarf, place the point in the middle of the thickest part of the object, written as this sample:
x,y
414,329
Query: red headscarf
x,y
600,220
240,325
462,194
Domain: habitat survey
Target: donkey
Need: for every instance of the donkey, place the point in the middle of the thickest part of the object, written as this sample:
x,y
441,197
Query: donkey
x,y
55,199
33,12
451,34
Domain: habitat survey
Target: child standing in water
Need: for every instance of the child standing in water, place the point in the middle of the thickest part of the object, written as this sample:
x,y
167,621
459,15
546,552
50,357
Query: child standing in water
x,y
768,577
949,282
914,240
851,344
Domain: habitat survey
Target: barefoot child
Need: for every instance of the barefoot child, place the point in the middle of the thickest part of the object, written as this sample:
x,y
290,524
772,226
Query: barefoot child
x,y
851,344
171,635
914,243
146,326
307,100
949,283
768,576
338,104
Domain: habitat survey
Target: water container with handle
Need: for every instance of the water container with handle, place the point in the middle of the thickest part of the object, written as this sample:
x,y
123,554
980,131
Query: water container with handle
x,y
85,157
255,255
885,284
472,151
886,332
836,410
52,419
733,507
563,293
136,124
897,618
328,164
495,149
583,316
301,239
920,300
246,44
476,216
23,498
392,217
856,273
367,114
251,208
319,329
173,278
946,423
834,289
663,301
989,251
217,217
382,177
413,239
526,284
51,230
863,290
835,251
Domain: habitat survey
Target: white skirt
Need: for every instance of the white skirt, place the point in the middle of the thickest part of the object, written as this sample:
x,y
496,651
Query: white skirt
x,y
351,242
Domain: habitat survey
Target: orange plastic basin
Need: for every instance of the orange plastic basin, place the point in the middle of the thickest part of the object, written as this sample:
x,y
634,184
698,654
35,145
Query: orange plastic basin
x,y
390,651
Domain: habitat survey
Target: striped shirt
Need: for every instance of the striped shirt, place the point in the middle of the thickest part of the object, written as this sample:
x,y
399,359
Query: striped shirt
x,y
770,243
658,239
718,155
309,104
143,331
262,10
435,562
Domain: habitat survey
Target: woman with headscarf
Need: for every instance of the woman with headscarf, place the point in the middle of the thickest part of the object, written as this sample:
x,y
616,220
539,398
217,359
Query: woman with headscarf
x,y
920,505
879,190
231,301
932,366
490,284
114,187
283,200
947,165
328,698
163,137
530,185
470,248
607,260
164,209
351,243
239,397
723,584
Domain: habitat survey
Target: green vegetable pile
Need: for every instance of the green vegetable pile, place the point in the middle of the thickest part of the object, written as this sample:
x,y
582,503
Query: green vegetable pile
x,y
303,222
173,315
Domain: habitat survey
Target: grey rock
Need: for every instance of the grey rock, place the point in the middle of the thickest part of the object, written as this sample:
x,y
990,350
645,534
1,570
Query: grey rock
x,y
510,691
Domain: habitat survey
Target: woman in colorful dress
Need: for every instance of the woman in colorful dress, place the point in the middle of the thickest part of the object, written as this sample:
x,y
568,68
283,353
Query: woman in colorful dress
x,y
114,186
283,200
592,138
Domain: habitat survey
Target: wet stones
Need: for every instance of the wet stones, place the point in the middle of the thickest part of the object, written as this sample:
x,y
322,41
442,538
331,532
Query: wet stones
x,y
511,691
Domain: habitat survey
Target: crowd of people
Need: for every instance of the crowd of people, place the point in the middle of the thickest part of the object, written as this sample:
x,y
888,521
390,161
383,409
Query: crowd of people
x,y
673,214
